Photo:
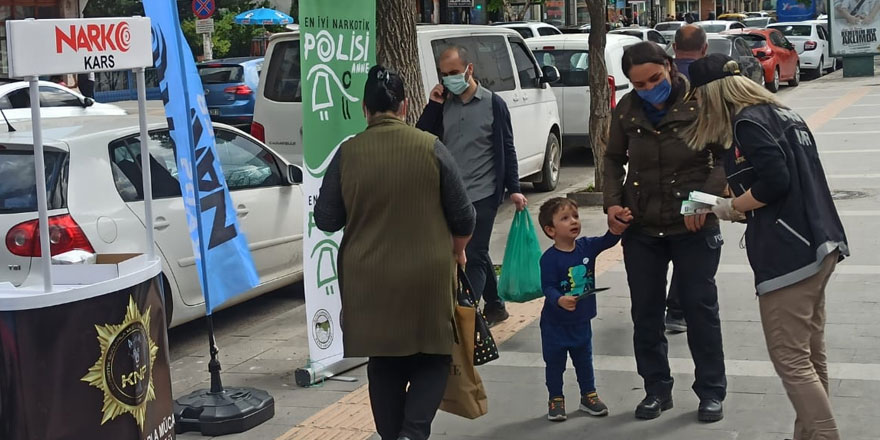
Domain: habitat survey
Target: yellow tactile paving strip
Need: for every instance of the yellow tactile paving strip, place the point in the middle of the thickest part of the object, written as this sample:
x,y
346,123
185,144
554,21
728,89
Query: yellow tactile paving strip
x,y
821,117
350,418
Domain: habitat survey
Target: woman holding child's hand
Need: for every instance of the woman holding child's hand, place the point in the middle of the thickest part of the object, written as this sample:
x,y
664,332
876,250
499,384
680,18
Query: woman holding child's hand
x,y
643,203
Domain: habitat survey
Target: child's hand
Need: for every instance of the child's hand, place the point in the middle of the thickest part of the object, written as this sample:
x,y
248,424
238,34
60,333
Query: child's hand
x,y
568,303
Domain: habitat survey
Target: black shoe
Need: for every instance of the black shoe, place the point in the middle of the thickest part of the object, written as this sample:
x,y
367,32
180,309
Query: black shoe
x,y
710,411
495,314
652,406
675,324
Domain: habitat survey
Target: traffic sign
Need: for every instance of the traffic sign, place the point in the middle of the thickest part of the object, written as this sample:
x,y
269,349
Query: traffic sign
x,y
205,26
203,8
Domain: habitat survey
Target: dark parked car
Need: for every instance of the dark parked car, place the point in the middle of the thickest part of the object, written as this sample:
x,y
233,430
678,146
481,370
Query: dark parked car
x,y
737,48
230,87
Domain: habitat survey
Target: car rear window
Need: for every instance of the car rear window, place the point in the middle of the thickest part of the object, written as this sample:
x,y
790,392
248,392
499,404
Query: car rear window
x,y
795,30
18,191
573,66
667,26
221,74
755,41
756,22
714,28
719,46
283,78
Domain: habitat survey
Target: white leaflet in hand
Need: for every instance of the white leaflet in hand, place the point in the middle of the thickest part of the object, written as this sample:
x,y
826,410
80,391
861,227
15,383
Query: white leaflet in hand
x,y
701,197
689,207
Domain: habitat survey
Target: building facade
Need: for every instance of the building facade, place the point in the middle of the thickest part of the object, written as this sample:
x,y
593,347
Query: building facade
x,y
21,9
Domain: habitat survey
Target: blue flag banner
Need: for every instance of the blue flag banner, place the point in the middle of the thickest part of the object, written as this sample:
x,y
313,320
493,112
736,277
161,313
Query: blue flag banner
x,y
220,249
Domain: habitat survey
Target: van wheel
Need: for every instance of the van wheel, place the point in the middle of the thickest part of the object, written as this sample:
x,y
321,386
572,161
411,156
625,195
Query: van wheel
x,y
773,86
797,77
550,170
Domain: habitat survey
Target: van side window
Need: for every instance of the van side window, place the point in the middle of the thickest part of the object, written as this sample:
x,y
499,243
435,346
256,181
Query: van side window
x,y
283,80
573,66
525,67
490,56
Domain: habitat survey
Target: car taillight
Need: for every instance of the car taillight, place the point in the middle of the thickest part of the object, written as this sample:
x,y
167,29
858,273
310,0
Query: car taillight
x,y
612,87
258,131
64,236
810,45
238,90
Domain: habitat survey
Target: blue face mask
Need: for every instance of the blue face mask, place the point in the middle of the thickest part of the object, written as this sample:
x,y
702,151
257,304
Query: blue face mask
x,y
457,84
658,95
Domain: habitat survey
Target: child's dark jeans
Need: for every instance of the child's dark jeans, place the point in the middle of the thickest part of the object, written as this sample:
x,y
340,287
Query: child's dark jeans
x,y
559,341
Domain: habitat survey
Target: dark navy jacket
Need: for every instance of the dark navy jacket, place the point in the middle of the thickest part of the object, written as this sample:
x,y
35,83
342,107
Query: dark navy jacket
x,y
506,165
572,273
775,156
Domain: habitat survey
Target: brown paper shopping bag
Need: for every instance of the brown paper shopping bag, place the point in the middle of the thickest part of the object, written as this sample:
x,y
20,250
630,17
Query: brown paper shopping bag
x,y
465,395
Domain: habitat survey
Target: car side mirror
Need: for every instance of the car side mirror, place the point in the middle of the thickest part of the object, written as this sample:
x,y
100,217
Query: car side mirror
x,y
294,175
551,75
88,102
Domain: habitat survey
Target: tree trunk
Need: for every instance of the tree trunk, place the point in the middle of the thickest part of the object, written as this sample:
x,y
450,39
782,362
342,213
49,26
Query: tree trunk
x,y
600,95
396,48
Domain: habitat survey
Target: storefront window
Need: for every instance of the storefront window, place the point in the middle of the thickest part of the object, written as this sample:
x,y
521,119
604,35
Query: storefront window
x,y
21,9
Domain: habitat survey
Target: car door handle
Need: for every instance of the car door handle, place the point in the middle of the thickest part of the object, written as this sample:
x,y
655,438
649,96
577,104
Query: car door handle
x,y
160,223
515,98
525,97
242,210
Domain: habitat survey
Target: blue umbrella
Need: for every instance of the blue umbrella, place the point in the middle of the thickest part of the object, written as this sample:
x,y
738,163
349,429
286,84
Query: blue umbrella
x,y
263,16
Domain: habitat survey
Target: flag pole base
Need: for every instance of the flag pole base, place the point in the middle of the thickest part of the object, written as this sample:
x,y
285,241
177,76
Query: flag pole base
x,y
230,411
315,373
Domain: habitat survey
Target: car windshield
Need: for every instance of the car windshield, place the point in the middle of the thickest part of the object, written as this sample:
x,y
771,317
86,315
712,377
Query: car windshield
x,y
221,74
719,46
714,28
667,26
755,41
756,22
18,190
795,30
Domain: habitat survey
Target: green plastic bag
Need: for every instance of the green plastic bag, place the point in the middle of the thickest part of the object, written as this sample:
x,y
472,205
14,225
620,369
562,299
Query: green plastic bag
x,y
520,279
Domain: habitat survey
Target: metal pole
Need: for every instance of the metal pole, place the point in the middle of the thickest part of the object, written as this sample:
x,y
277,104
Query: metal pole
x,y
145,160
40,170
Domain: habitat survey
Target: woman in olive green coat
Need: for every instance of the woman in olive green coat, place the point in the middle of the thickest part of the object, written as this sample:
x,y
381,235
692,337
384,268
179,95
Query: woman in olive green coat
x,y
407,219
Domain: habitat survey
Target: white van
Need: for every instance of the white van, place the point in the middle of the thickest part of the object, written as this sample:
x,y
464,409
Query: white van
x,y
570,54
502,63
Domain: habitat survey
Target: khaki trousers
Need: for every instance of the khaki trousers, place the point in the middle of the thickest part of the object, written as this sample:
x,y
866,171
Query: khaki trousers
x,y
794,327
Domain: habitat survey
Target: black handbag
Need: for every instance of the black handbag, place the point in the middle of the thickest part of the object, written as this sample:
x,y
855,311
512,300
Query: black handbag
x,y
485,349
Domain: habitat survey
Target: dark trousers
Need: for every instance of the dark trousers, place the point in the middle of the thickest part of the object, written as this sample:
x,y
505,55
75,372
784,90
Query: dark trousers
x,y
673,304
405,393
647,261
558,342
480,270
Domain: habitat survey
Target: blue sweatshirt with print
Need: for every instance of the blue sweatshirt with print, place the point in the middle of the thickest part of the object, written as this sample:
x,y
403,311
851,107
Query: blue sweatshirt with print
x,y
572,273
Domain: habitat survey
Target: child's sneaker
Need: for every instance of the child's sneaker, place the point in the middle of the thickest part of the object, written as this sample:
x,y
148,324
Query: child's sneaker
x,y
556,412
592,405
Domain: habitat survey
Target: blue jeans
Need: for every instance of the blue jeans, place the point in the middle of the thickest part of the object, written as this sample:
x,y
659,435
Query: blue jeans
x,y
558,342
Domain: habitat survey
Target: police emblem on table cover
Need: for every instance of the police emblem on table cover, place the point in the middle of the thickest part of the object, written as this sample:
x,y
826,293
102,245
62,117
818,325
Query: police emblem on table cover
x,y
124,371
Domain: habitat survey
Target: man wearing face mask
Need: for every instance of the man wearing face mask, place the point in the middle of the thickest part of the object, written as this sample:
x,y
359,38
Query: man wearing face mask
x,y
645,134
475,126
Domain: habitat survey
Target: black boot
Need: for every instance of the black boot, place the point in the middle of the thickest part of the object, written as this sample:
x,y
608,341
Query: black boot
x,y
710,410
652,406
